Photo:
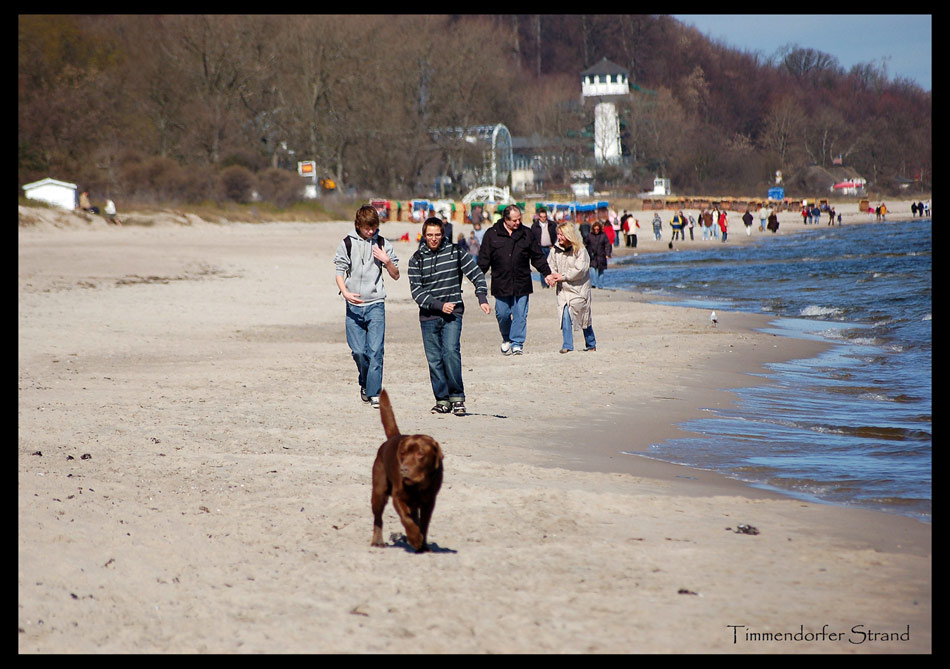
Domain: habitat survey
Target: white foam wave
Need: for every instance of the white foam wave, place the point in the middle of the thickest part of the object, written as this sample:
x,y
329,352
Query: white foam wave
x,y
815,310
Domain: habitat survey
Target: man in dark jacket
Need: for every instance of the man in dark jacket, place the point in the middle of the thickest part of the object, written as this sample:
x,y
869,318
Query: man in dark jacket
x,y
508,250
544,231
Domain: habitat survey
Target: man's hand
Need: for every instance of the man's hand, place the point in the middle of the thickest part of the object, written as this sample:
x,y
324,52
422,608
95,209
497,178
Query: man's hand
x,y
386,262
448,307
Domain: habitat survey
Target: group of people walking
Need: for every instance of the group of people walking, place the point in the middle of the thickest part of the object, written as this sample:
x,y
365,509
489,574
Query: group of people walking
x,y
811,215
920,209
507,250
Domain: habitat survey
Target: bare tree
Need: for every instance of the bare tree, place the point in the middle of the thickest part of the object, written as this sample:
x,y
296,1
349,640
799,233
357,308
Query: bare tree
x,y
826,135
210,56
783,127
807,63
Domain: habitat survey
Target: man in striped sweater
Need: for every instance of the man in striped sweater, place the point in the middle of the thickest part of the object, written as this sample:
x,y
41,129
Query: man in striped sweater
x,y
435,280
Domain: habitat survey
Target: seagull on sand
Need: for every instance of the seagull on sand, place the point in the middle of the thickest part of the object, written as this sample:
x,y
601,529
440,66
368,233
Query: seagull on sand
x,y
713,319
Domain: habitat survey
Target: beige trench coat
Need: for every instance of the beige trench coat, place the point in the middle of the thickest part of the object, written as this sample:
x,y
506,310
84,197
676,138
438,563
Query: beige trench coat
x,y
574,291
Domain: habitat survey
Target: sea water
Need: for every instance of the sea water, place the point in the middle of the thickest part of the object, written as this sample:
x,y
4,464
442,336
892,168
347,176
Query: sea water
x,y
851,426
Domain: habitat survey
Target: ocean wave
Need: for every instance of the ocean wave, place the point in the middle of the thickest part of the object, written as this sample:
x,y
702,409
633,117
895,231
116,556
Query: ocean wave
x,y
865,341
815,310
874,432
901,398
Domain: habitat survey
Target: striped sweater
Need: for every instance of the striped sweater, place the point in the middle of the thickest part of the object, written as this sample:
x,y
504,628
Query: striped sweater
x,y
435,278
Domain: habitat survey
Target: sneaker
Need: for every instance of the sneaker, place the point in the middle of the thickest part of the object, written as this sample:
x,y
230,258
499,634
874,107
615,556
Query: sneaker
x,y
516,350
506,348
592,348
363,395
441,408
374,402
458,408
565,350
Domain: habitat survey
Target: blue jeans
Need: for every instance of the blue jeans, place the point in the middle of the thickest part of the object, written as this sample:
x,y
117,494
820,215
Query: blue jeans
x,y
442,339
365,331
567,332
596,277
512,314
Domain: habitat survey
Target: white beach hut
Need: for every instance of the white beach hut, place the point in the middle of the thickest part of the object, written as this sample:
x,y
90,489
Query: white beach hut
x,y
52,191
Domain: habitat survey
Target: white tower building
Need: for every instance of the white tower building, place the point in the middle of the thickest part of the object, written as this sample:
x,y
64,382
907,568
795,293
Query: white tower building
x,y
604,84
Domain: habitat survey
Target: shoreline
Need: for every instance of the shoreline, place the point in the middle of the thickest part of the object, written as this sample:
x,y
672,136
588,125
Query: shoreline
x,y
205,372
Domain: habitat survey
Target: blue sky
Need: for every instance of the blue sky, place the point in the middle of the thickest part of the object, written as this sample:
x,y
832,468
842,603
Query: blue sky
x,y
903,42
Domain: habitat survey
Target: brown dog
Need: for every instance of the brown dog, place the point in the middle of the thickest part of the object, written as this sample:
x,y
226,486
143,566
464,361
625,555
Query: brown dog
x,y
408,467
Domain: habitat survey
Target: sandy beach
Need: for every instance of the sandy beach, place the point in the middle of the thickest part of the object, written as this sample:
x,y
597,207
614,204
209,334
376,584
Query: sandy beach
x,y
194,468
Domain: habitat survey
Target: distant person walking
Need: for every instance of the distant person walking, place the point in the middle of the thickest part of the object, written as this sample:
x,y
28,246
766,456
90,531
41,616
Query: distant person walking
x,y
723,224
617,227
630,226
598,249
544,231
747,222
676,223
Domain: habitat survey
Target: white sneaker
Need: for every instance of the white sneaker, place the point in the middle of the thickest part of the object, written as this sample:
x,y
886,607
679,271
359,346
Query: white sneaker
x,y
506,348
517,350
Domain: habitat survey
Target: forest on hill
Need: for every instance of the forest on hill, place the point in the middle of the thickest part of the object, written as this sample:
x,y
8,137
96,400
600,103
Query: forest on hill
x,y
197,108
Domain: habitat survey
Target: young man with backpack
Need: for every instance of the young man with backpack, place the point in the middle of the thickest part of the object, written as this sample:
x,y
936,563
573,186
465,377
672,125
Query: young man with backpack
x,y
435,281
359,260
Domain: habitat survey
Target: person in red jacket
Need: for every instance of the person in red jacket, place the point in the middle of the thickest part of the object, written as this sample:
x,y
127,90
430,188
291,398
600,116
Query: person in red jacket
x,y
609,231
723,224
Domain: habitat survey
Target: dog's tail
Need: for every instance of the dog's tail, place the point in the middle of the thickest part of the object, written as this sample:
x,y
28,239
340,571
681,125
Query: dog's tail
x,y
386,413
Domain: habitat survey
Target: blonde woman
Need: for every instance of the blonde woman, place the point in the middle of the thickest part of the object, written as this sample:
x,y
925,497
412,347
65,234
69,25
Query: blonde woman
x,y
570,265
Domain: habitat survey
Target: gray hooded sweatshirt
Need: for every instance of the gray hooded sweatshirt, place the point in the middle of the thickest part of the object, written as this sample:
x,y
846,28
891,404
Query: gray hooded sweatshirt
x,y
363,273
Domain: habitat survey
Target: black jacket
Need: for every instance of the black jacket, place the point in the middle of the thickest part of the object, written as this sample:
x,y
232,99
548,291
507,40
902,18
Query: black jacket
x,y
552,231
508,258
598,248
